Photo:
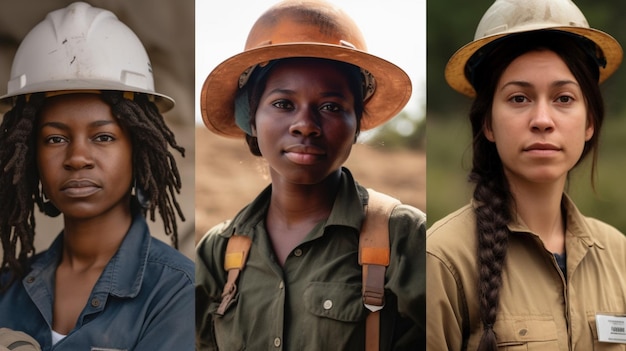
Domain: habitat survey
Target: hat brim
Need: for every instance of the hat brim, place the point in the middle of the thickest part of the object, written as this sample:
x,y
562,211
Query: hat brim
x,y
163,102
455,69
393,85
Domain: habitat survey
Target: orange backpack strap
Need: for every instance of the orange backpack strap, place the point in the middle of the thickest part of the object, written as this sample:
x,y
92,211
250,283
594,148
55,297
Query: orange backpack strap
x,y
374,258
237,251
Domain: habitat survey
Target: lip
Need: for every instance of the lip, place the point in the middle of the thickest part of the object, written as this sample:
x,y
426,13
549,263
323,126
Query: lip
x,y
304,154
542,148
78,188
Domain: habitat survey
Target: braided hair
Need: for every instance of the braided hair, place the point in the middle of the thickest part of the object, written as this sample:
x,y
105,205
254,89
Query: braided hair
x,y
156,175
495,204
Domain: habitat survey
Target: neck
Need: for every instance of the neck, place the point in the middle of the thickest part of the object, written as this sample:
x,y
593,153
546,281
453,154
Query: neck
x,y
540,208
296,203
92,242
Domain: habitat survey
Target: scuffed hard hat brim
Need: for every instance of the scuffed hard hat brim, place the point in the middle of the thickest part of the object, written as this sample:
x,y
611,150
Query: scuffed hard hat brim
x,y
163,102
393,86
455,69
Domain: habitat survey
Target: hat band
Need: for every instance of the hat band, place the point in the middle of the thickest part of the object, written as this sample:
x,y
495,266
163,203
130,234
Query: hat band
x,y
369,81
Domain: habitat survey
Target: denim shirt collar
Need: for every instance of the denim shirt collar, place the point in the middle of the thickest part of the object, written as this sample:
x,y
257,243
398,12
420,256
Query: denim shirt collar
x,y
122,276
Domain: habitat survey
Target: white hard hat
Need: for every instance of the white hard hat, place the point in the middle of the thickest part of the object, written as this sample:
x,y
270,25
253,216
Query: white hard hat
x,y
81,47
506,17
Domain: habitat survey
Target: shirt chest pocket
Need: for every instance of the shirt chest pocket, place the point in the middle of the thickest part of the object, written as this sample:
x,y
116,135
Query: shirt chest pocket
x,y
335,301
525,333
602,346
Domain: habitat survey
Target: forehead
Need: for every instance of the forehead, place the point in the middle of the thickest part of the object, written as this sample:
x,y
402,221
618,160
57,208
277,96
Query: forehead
x,y
529,63
287,70
75,108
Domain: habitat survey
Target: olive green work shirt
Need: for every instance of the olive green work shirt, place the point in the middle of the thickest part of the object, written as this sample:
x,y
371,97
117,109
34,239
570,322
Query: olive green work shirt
x,y
314,302
539,309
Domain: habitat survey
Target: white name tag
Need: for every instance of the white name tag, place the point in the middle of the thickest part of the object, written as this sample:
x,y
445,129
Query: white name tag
x,y
611,328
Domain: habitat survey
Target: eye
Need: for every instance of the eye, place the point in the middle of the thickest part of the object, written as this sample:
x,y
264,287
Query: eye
x,y
283,104
55,139
103,138
331,107
565,99
518,99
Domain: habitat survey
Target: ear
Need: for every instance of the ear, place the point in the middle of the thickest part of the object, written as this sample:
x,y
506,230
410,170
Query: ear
x,y
589,132
488,132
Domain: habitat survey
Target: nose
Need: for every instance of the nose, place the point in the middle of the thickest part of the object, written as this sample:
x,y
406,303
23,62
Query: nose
x,y
78,156
306,123
541,120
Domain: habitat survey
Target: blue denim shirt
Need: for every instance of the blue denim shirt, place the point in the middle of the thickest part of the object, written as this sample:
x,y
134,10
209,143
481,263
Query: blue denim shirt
x,y
144,299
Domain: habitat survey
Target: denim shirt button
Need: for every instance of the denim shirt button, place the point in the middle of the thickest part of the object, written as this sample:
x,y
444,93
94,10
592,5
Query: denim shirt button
x,y
95,302
30,280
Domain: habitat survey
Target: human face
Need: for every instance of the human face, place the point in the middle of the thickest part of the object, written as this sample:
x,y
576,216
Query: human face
x,y
84,156
539,119
305,122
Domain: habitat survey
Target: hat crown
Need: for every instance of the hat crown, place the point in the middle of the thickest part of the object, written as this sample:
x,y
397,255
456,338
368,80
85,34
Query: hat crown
x,y
510,16
81,47
314,21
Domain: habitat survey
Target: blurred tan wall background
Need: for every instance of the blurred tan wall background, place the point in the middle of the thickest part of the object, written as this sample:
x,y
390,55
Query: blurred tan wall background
x,y
166,28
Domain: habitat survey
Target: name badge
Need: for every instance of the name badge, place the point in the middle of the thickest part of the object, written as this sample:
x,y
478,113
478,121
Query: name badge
x,y
611,328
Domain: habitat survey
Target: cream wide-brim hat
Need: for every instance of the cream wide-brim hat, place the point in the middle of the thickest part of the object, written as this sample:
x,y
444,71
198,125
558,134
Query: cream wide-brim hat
x,y
507,17
309,28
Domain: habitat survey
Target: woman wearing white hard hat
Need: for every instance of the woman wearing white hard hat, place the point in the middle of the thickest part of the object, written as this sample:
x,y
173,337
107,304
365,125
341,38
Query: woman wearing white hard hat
x,y
520,266
287,272
84,138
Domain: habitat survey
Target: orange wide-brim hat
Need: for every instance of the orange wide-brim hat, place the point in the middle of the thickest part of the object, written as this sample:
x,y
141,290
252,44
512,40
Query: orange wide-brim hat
x,y
309,28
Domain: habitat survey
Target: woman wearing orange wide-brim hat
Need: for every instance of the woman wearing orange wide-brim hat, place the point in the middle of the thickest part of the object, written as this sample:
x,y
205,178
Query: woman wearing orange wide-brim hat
x,y
287,272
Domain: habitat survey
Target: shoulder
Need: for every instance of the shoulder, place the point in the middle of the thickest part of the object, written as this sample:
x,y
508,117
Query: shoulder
x,y
166,258
214,241
605,235
453,236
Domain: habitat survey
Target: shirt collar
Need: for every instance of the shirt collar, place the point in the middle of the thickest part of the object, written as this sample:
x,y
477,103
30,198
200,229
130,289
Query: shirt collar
x,y
349,196
576,224
122,276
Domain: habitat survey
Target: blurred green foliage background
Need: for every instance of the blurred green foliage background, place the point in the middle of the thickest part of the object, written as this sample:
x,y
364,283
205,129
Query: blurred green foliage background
x,y
451,24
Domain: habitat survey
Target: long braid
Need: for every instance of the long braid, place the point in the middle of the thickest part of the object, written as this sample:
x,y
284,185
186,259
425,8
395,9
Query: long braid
x,y
154,166
18,188
493,212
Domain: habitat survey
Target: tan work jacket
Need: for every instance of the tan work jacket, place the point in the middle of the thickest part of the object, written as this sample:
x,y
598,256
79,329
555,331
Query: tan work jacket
x,y
539,308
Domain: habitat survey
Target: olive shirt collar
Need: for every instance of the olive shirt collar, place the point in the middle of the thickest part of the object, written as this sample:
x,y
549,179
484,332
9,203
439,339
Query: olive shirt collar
x,y
349,196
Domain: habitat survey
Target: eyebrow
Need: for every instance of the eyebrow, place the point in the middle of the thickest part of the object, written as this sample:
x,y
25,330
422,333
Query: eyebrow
x,y
330,93
63,126
524,84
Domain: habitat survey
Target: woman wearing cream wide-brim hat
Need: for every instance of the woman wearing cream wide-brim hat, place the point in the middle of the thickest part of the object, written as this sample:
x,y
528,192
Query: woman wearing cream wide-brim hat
x,y
300,93
520,266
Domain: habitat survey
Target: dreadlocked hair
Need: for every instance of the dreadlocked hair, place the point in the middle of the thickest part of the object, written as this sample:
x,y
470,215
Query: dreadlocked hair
x,y
494,201
19,189
154,167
